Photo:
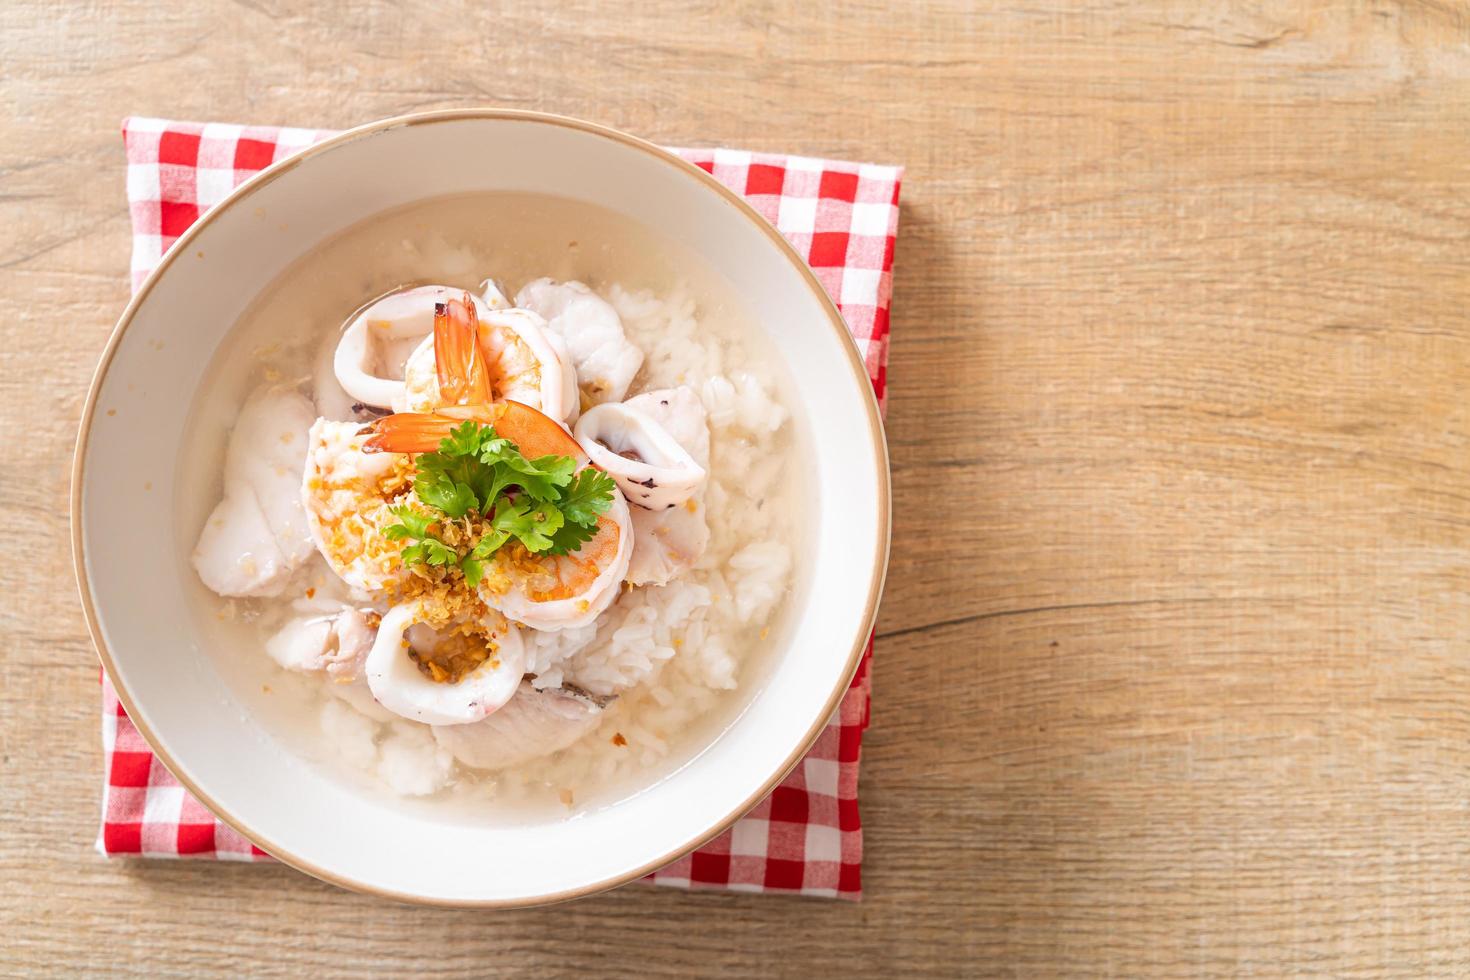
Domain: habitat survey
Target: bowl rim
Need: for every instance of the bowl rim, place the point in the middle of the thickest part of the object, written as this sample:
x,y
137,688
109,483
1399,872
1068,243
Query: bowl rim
x,y
881,543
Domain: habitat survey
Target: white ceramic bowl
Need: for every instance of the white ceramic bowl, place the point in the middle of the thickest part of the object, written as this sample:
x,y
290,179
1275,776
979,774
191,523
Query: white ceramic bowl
x,y
133,589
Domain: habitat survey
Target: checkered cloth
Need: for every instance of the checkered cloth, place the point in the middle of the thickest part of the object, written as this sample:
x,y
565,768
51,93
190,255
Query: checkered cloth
x,y
843,217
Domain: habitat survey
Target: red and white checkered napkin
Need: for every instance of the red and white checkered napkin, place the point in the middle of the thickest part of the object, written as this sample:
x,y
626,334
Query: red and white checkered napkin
x,y
843,217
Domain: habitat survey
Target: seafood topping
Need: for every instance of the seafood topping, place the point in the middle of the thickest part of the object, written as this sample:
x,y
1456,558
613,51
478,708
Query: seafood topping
x,y
369,360
257,535
534,723
413,680
475,357
649,465
348,493
668,541
477,492
605,360
430,460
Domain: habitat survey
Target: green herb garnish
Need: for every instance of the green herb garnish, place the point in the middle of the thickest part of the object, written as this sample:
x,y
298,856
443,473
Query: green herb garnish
x,y
482,481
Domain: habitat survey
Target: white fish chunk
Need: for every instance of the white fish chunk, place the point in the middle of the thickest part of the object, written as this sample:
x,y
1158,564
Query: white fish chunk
x,y
257,535
530,725
237,554
267,453
666,542
604,358
336,644
302,643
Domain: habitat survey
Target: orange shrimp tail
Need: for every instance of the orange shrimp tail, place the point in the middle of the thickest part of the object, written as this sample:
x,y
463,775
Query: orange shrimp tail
x,y
534,434
410,432
464,377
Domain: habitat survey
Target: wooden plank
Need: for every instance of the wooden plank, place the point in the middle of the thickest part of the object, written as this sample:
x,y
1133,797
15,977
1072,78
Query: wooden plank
x,y
1173,677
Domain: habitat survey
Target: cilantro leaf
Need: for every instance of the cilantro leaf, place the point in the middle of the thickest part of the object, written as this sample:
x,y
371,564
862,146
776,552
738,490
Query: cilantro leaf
x,y
431,551
569,538
473,569
413,523
546,504
440,553
559,469
488,544
546,520
440,476
461,475
586,497
465,439
454,499
492,446
532,524
426,549
540,477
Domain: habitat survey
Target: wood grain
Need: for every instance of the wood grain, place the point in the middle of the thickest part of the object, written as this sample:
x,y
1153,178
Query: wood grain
x,y
1175,676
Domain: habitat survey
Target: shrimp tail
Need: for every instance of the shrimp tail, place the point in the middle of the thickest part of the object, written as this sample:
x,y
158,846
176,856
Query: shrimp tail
x,y
413,432
532,433
464,377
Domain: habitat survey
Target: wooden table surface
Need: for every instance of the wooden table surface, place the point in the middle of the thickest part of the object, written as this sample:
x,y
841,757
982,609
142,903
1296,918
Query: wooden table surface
x,y
1174,674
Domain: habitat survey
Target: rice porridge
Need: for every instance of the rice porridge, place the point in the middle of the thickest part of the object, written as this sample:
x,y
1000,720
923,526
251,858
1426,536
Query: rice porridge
x,y
489,502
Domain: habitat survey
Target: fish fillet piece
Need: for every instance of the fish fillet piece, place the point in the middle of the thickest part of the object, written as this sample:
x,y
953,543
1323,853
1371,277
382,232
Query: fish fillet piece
x,y
257,534
528,726
604,358
336,644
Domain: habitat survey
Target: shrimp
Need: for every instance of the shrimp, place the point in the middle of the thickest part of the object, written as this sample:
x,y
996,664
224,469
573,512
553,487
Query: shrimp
x,y
347,492
376,342
557,592
545,592
421,432
461,375
406,674
476,358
